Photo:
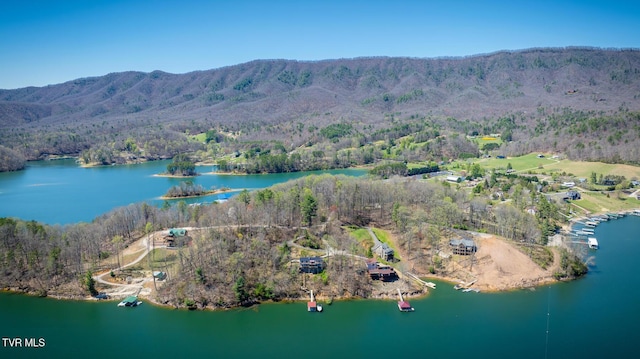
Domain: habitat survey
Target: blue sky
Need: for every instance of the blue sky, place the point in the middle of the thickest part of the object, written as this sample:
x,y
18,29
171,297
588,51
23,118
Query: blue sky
x,y
47,42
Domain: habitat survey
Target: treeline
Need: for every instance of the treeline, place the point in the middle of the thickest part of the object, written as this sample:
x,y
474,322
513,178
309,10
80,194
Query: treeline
x,y
45,259
10,160
280,163
245,256
181,165
186,189
400,169
580,135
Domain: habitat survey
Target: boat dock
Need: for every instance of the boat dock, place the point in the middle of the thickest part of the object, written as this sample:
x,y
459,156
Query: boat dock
x,y
463,285
312,305
417,279
130,301
403,305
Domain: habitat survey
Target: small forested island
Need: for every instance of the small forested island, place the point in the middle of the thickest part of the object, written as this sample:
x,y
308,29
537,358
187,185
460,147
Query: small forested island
x,y
181,166
189,189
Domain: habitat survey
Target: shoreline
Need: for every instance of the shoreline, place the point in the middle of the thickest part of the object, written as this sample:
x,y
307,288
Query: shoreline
x,y
210,193
410,290
173,176
376,296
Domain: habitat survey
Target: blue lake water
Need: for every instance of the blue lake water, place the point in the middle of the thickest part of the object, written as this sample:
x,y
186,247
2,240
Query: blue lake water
x,y
61,192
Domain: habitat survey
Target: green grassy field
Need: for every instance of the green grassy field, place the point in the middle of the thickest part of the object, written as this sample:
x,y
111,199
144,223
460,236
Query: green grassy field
x,y
483,140
361,234
522,163
531,163
584,169
363,237
596,202
201,137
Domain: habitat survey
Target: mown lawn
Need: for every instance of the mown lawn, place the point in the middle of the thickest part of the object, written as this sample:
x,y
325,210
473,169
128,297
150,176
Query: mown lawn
x,y
599,202
584,169
483,140
363,237
547,165
522,163
361,234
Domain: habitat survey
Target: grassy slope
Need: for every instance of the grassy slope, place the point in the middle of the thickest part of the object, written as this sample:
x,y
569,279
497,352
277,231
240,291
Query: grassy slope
x,y
596,202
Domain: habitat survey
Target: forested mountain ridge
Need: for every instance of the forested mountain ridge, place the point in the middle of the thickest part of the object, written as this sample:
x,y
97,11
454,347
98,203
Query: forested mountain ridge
x,y
271,98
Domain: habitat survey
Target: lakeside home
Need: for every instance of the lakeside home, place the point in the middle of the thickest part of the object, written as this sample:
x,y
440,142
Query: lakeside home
x,y
463,246
312,265
381,272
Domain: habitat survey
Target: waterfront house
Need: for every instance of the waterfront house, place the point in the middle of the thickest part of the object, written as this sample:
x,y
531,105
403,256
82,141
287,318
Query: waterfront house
x,y
313,265
383,251
463,246
381,272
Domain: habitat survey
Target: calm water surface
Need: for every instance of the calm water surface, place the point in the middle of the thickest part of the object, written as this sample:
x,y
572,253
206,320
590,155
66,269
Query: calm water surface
x,y
61,192
595,317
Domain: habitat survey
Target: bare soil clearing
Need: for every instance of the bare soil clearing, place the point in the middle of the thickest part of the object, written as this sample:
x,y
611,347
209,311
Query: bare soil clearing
x,y
498,266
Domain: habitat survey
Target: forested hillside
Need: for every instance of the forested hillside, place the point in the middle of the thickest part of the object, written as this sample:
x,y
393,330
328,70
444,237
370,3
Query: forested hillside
x,y
580,101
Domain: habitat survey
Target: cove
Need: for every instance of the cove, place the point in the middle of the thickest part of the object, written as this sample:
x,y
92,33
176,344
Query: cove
x,y
62,192
593,317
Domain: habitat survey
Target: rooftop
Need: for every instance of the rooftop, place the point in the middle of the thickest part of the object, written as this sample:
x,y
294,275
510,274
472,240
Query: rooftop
x,y
464,241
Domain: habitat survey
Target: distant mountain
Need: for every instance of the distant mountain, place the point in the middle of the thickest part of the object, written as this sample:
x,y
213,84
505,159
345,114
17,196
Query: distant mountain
x,y
276,90
361,91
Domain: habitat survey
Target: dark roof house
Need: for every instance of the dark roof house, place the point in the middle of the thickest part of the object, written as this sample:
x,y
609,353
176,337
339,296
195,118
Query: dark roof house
x,y
381,272
312,265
